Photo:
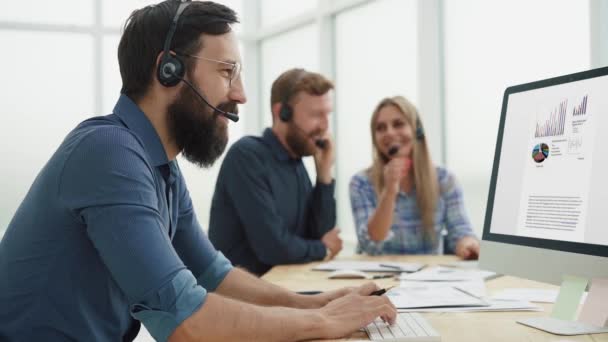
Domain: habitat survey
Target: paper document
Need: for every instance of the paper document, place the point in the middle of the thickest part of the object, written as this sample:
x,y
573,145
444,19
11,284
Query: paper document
x,y
467,264
475,287
369,266
532,295
494,305
447,274
429,297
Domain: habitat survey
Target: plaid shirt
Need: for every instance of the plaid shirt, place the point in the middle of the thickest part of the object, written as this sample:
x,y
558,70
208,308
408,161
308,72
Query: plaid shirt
x,y
406,235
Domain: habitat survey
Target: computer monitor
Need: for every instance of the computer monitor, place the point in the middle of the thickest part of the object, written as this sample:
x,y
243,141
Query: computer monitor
x,y
547,210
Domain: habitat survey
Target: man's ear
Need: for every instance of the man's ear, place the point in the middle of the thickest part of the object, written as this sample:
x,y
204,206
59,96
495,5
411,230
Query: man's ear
x,y
159,57
276,109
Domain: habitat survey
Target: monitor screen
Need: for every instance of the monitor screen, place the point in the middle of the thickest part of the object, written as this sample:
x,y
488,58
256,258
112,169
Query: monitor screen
x,y
549,184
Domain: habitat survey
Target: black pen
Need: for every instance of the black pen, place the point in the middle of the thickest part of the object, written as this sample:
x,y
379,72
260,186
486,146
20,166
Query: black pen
x,y
382,276
391,266
309,292
381,291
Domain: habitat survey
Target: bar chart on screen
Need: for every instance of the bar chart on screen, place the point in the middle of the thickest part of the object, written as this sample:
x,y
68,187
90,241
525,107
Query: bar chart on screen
x,y
581,108
552,124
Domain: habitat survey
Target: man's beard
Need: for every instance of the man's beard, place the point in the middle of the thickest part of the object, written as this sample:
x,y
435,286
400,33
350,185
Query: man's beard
x,y
199,134
299,141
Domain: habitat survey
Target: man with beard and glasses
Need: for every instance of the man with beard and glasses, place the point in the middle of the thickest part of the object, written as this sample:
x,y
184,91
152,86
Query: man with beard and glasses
x,y
107,237
265,211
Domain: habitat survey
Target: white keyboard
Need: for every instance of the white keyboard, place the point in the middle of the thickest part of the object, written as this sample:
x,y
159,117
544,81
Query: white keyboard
x,y
409,327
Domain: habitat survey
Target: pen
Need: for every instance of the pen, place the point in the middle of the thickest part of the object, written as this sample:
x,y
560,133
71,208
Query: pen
x,y
382,276
309,292
391,266
381,291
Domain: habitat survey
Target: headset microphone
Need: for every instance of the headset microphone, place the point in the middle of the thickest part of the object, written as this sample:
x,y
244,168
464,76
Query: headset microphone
x,y
392,151
230,116
320,143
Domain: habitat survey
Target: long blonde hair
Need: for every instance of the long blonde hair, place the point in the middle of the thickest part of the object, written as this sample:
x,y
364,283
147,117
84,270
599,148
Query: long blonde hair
x,y
425,176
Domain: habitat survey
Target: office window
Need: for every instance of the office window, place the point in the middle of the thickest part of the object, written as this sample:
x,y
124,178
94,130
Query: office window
x,y
111,73
64,12
116,12
275,11
488,50
298,48
376,57
293,49
47,93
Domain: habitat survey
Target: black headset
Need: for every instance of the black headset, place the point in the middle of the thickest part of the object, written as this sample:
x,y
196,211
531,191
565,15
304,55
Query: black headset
x,y
171,69
419,129
286,112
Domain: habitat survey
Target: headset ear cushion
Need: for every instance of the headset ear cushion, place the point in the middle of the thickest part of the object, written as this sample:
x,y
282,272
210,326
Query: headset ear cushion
x,y
419,133
170,71
286,112
419,129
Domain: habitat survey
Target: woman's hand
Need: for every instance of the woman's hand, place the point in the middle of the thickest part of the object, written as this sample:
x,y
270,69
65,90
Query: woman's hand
x,y
468,248
394,171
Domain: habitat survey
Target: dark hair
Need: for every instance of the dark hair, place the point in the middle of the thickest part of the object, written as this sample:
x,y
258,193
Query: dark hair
x,y
293,81
146,30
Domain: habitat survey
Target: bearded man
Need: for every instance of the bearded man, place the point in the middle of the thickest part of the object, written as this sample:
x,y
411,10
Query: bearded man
x,y
265,211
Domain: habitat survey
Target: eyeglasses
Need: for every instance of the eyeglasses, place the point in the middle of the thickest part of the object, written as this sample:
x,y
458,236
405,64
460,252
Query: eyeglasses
x,y
235,70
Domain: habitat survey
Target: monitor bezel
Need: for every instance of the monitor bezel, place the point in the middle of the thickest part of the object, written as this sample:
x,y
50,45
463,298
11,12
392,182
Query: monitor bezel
x,y
558,245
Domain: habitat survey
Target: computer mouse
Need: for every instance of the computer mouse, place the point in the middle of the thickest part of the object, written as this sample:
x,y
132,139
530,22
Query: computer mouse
x,y
348,274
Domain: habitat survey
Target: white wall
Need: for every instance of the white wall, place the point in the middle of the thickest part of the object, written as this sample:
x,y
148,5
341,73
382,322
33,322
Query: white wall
x,y
39,104
372,63
487,50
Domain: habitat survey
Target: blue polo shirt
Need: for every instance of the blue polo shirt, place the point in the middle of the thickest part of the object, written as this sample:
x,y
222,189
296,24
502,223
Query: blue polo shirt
x,y
106,237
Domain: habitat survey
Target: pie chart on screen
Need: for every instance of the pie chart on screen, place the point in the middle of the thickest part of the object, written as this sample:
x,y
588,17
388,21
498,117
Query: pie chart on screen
x,y
540,152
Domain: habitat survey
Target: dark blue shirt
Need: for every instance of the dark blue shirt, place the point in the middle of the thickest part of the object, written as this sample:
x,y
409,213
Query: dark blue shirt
x,y
265,211
105,237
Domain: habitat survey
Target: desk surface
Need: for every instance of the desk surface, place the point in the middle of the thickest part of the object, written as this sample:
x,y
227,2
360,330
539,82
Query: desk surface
x,y
472,326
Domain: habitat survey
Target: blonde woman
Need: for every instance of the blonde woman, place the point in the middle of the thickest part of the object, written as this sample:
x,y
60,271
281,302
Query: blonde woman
x,y
402,202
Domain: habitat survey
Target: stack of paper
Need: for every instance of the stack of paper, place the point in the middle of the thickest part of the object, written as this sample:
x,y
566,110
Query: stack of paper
x,y
447,274
532,295
493,305
475,287
432,297
369,266
448,289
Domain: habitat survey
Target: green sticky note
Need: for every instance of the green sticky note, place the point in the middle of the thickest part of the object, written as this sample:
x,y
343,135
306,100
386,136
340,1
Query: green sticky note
x,y
569,298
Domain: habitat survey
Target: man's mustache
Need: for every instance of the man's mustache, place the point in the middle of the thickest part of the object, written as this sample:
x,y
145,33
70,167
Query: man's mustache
x,y
230,107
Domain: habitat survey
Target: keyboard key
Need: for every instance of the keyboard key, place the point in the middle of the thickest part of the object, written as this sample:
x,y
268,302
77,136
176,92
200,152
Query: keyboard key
x,y
408,326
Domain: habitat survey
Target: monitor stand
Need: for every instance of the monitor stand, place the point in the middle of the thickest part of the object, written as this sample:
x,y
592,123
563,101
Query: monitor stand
x,y
593,311
562,327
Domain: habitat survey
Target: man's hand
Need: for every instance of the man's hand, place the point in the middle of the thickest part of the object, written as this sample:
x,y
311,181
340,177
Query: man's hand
x,y
324,160
468,248
332,241
322,299
349,313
